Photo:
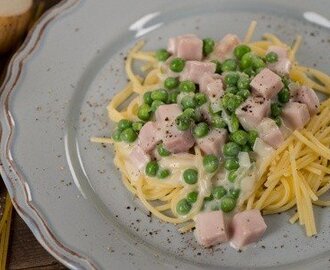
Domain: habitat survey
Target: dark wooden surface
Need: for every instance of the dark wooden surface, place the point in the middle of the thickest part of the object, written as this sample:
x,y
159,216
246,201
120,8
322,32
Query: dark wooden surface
x,y
24,250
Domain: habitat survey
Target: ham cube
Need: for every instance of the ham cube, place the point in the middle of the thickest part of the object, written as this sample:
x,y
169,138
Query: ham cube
x,y
205,113
224,48
211,228
266,84
138,157
283,65
247,228
190,49
270,133
252,111
172,45
211,85
295,115
307,96
167,113
212,143
194,70
148,136
174,140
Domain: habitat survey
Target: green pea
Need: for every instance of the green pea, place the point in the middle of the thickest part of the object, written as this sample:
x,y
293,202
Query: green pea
x,y
284,95
172,96
218,192
249,71
188,102
137,126
278,121
208,46
231,78
190,176
124,123
177,64
200,99
162,151
234,193
147,98
192,197
231,149
231,89
229,65
155,104
227,204
218,68
210,163
218,122
243,82
241,50
243,93
162,55
201,130
231,164
144,112
209,198
258,63
116,135
171,83
234,123
252,136
246,148
232,176
152,168
234,103
187,86
128,135
246,60
286,80
159,94
183,122
276,109
163,173
258,70
240,137
183,207
190,113
271,57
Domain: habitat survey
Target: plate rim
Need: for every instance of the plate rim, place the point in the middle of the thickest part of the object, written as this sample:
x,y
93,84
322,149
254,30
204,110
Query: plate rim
x,y
34,219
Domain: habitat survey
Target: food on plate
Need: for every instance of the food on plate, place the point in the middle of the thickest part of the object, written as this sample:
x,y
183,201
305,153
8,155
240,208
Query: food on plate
x,y
220,132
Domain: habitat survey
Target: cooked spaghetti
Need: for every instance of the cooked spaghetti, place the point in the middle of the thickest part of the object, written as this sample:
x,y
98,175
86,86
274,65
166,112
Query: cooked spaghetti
x,y
273,165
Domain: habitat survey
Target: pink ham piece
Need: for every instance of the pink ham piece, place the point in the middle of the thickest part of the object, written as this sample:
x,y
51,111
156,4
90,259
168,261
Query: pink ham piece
x,y
252,111
224,48
247,228
148,136
212,143
266,84
211,85
270,133
188,47
211,228
138,157
194,70
295,115
307,96
283,65
174,140
167,113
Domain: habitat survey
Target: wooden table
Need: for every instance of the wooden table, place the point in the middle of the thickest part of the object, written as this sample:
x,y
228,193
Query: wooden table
x,y
24,250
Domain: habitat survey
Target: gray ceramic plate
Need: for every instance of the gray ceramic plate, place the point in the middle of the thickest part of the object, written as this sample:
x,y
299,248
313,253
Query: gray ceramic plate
x,y
68,190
